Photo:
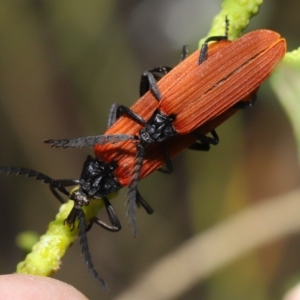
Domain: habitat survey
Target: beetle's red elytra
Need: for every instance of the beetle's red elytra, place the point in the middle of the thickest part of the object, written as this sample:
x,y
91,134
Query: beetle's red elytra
x,y
197,94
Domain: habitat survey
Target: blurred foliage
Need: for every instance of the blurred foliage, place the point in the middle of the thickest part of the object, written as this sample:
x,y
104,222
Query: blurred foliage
x,y
61,67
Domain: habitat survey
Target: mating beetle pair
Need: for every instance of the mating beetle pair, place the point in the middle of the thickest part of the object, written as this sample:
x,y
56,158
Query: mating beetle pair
x,y
177,112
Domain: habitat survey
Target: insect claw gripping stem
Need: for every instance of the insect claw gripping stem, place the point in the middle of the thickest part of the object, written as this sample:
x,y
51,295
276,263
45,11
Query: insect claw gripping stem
x,y
86,251
204,48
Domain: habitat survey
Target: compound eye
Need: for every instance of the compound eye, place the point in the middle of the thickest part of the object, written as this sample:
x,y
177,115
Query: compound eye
x,y
145,136
107,186
152,130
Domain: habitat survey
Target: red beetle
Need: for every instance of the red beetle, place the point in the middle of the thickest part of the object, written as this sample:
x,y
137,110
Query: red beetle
x,y
198,90
208,92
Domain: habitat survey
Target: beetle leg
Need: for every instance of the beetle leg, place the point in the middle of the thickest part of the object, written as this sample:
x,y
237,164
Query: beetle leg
x,y
148,82
123,110
140,201
113,218
246,104
169,166
204,141
157,74
152,85
64,183
204,48
149,79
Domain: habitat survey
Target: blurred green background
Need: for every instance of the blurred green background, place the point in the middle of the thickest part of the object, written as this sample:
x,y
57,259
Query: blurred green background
x,y
62,64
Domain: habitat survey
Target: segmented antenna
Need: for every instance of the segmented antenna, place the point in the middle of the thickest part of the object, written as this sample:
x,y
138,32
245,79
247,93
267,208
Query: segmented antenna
x,y
36,175
89,141
85,251
133,193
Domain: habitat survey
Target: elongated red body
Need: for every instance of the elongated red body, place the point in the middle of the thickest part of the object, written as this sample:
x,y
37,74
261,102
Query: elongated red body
x,y
201,93
201,96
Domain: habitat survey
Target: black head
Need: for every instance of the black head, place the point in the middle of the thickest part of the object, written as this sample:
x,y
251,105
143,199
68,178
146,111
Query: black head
x,y
97,178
